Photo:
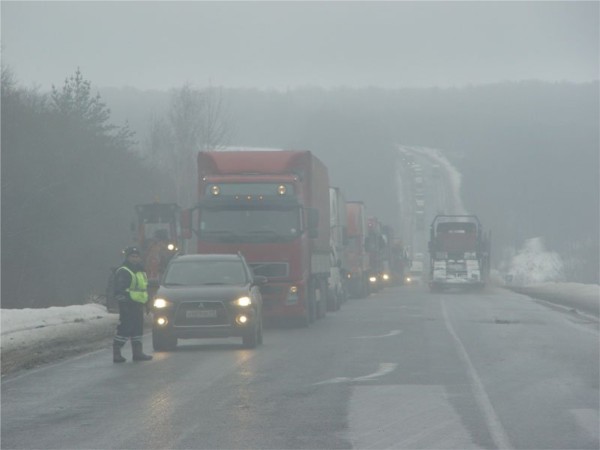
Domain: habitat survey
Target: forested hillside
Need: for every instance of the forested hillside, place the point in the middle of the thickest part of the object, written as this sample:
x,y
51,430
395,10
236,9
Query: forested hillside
x,y
528,151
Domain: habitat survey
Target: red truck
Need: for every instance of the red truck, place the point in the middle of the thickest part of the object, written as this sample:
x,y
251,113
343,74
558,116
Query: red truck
x,y
273,207
357,259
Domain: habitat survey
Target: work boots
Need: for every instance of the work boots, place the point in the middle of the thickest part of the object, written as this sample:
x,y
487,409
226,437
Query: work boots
x,y
138,355
117,357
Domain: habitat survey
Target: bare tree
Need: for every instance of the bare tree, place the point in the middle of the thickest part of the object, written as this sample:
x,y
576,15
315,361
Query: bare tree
x,y
195,121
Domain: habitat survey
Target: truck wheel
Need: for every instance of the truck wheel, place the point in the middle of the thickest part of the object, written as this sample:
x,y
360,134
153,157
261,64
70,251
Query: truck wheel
x,y
332,300
321,298
364,288
312,301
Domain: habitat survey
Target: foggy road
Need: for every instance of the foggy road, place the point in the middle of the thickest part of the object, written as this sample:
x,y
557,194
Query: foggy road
x,y
403,368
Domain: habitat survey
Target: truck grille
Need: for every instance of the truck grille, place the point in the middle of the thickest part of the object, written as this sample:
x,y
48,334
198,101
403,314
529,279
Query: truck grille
x,y
271,270
201,313
273,291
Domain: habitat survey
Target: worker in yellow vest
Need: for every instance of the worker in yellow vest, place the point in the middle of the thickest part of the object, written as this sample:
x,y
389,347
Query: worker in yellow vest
x,y
131,292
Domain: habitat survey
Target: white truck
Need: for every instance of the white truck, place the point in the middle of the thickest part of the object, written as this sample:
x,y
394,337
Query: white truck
x,y
339,238
459,252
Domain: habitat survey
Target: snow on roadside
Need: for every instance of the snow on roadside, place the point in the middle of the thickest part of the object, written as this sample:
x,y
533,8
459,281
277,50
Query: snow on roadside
x,y
18,320
30,328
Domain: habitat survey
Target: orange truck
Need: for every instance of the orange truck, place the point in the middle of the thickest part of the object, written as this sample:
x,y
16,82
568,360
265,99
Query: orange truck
x,y
273,207
157,232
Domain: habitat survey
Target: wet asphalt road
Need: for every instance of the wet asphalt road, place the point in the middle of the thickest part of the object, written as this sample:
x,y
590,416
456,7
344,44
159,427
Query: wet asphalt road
x,y
404,368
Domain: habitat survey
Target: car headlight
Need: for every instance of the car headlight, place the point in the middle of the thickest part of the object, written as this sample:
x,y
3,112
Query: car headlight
x,y
243,301
160,303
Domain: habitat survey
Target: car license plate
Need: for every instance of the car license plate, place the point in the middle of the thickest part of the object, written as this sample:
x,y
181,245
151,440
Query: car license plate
x,y
201,314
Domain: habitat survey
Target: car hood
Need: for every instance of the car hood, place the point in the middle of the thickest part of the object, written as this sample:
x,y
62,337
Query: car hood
x,y
207,292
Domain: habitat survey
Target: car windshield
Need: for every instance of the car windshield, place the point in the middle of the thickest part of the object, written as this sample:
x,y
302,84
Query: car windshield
x,y
198,273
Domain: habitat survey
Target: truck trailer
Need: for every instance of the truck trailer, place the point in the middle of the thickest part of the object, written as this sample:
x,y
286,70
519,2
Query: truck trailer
x,y
357,258
273,207
459,252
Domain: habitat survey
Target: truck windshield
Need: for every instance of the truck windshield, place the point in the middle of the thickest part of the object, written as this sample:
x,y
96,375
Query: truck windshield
x,y
249,225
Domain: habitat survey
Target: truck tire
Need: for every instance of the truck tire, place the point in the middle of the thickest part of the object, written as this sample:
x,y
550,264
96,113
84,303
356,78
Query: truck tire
x,y
320,300
313,302
364,287
332,300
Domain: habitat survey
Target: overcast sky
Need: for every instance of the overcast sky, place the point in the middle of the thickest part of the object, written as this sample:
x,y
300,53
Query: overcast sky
x,y
161,45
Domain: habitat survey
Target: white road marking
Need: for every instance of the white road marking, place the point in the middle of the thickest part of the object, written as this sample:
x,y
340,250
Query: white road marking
x,y
384,369
494,425
391,333
404,417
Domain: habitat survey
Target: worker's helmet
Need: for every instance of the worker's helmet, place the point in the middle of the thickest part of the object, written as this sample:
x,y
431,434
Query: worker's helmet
x,y
132,250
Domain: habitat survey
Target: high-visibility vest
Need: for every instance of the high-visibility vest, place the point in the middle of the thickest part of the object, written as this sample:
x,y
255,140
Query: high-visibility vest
x,y
138,289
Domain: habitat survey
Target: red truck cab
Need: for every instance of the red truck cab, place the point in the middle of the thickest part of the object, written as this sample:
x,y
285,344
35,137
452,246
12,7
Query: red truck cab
x,y
273,207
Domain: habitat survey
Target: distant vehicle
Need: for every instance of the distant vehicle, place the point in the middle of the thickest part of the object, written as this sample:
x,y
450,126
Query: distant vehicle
x,y
208,296
415,274
337,290
356,254
459,252
339,240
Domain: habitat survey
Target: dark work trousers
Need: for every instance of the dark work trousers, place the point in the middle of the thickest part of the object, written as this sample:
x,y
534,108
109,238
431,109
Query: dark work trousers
x,y
131,322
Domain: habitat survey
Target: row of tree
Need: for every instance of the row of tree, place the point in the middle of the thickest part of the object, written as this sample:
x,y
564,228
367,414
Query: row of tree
x,y
528,153
71,178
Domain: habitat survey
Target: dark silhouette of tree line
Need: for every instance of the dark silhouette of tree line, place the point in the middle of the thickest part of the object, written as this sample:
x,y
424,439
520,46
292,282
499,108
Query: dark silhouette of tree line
x,y
70,180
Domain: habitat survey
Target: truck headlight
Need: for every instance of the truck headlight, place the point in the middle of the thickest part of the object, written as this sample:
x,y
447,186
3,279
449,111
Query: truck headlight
x,y
243,301
292,297
160,303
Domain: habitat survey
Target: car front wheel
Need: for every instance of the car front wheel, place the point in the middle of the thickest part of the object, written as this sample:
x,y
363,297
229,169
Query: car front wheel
x,y
254,337
163,341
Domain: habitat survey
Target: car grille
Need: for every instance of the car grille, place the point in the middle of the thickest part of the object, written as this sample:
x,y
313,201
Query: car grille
x,y
201,313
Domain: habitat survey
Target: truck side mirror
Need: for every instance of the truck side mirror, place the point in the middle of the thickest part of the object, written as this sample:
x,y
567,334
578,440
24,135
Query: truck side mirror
x,y
313,223
345,238
186,223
